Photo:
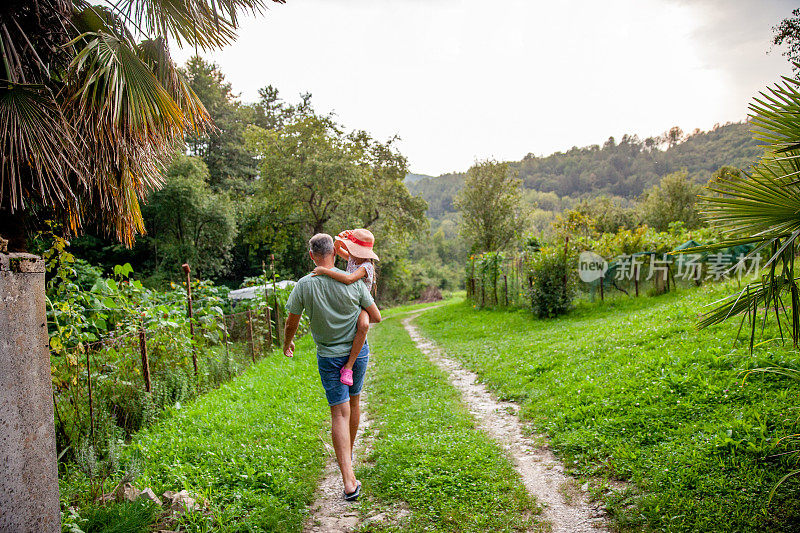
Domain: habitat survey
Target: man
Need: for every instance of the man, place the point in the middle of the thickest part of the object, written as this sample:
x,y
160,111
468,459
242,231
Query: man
x,y
333,308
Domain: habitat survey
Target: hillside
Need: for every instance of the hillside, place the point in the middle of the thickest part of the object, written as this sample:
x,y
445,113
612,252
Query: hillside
x,y
625,168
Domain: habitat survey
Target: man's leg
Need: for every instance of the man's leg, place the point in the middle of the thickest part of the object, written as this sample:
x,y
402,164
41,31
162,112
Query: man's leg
x,y
340,434
355,418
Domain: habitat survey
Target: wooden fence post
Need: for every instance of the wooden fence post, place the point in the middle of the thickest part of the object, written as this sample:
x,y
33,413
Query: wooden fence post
x,y
266,301
188,272
225,341
278,329
636,278
250,334
505,282
602,282
145,359
91,405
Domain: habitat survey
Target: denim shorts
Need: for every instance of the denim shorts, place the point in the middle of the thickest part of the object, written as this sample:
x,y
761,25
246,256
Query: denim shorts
x,y
336,391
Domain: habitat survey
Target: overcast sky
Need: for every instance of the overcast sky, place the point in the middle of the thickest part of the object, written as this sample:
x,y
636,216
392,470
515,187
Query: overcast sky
x,y
460,80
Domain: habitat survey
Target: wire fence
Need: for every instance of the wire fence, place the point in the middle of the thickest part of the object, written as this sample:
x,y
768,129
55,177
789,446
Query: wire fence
x,y
109,388
505,279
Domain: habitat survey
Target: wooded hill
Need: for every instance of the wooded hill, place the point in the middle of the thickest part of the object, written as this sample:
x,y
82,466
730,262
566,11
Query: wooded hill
x,y
626,168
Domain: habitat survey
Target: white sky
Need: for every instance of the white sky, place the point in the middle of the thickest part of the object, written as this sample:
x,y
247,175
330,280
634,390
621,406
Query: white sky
x,y
461,80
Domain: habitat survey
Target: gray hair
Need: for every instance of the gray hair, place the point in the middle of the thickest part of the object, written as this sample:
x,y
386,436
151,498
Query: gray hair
x,y
321,245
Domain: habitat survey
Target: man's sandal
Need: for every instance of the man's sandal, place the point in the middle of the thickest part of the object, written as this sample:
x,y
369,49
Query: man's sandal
x,y
353,496
346,376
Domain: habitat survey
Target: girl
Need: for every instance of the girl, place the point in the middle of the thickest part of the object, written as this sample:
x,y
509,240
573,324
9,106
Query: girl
x,y
354,246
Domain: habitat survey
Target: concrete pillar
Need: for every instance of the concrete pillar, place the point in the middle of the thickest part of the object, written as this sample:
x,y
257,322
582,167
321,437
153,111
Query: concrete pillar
x,y
28,469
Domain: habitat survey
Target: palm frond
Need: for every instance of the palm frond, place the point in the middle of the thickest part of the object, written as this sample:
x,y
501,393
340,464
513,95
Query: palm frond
x,y
38,144
762,207
202,23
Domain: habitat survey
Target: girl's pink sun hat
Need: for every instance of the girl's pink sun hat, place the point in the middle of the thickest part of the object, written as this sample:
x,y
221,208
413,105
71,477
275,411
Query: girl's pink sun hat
x,y
359,243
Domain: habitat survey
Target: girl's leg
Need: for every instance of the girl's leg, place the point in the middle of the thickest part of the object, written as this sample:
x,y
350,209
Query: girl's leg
x,y
362,328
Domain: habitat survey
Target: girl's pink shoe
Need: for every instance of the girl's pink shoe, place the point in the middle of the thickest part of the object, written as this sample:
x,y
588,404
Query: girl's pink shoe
x,y
346,376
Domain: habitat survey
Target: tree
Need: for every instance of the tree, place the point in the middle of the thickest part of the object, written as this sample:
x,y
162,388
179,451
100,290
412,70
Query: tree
x,y
673,136
788,33
90,115
489,205
309,165
231,164
674,199
319,176
188,222
222,150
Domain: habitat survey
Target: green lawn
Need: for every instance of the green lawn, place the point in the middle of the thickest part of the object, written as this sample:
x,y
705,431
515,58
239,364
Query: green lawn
x,y
428,453
631,390
252,448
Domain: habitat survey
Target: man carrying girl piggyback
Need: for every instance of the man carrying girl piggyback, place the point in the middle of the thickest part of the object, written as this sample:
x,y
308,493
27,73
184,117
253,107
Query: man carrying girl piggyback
x,y
354,246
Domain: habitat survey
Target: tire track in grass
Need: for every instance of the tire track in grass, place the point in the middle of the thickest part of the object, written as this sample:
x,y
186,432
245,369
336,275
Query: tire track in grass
x,y
567,507
430,469
330,513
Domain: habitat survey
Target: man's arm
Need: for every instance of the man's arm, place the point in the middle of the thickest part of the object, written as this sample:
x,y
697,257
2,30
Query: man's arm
x,y
292,321
374,314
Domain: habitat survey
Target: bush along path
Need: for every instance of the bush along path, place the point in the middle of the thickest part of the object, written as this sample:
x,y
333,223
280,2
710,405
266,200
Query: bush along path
x,y
566,507
429,468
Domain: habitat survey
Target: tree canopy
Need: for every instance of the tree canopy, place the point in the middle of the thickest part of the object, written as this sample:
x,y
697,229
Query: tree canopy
x,y
489,204
93,107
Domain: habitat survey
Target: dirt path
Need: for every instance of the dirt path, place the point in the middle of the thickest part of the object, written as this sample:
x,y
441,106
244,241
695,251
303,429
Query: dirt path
x,y
566,506
330,513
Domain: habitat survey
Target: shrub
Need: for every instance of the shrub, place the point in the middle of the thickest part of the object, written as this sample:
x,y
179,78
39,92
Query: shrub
x,y
131,406
553,283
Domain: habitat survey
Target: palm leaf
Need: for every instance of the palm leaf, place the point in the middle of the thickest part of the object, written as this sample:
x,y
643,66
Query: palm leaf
x,y
762,207
202,23
37,142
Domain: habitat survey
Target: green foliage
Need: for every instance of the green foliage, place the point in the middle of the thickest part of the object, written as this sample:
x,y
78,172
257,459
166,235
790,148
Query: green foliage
x,y
489,204
126,517
629,390
788,33
190,223
761,208
95,334
94,107
552,276
673,199
428,454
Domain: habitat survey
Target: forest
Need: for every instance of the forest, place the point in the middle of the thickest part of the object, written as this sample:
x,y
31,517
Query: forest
x,y
269,175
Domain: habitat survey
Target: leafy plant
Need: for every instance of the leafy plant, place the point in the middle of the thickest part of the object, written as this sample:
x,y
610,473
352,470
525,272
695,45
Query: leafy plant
x,y
761,207
553,282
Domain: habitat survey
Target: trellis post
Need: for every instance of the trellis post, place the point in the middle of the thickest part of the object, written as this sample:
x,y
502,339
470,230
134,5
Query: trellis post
x,y
266,301
278,330
250,333
145,358
187,269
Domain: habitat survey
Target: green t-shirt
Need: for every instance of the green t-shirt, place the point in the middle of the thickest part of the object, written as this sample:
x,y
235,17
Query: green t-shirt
x,y
332,309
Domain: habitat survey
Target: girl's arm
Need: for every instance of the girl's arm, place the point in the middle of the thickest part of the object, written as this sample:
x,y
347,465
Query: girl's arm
x,y
341,277
341,250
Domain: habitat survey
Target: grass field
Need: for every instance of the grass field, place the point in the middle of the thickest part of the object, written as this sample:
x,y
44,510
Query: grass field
x,y
630,390
428,454
251,448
